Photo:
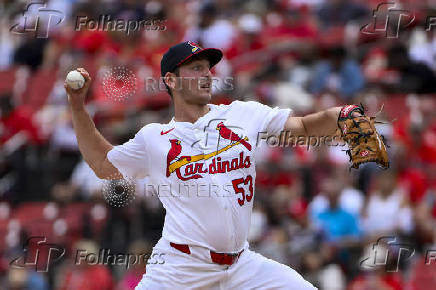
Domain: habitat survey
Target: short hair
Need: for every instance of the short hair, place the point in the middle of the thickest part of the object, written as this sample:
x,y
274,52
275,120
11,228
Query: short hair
x,y
176,71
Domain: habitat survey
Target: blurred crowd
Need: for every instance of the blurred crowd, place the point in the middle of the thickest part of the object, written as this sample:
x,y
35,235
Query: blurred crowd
x,y
311,212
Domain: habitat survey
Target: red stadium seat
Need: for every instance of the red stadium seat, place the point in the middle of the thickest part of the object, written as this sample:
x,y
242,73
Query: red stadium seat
x,y
3,233
74,215
27,212
98,216
7,80
397,107
39,87
41,227
37,218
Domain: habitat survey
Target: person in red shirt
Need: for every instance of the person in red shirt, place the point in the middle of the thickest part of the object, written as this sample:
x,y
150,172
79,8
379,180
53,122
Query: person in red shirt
x,y
379,280
81,274
14,120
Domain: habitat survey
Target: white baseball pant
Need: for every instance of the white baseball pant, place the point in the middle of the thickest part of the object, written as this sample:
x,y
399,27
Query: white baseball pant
x,y
196,271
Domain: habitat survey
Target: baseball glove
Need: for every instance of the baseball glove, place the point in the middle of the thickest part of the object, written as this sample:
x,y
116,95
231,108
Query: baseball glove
x,y
364,142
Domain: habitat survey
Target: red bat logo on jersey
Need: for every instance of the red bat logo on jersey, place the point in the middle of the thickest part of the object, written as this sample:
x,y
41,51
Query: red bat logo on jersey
x,y
228,134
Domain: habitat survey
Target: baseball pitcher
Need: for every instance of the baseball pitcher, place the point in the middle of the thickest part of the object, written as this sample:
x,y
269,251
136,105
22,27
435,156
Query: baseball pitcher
x,y
202,166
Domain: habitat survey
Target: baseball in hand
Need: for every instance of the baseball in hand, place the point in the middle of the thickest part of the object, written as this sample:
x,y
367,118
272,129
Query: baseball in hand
x,y
75,80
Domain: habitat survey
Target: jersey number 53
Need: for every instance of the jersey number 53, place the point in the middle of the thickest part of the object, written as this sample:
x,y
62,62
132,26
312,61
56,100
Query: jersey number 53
x,y
245,197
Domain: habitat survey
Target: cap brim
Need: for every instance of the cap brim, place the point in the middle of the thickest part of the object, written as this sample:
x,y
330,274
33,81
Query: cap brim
x,y
212,54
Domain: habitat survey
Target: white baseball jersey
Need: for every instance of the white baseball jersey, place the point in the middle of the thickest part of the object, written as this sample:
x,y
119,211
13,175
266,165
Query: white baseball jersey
x,y
203,172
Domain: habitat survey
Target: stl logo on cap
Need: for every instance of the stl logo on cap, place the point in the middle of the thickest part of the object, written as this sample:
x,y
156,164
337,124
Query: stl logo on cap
x,y
195,46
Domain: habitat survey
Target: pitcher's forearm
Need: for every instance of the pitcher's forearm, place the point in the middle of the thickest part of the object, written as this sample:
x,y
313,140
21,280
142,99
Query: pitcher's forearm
x,y
323,122
316,124
92,144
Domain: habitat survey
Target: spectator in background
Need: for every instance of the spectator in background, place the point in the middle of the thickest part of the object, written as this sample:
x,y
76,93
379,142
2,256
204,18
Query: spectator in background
x,y
427,148
85,181
30,52
247,39
285,26
274,242
211,31
22,279
425,212
63,145
378,279
14,120
337,225
387,211
423,49
340,12
412,77
424,268
84,276
303,239
19,141
350,199
85,40
132,276
338,75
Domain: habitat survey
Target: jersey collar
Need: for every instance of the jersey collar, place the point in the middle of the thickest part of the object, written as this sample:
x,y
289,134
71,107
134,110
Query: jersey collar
x,y
199,122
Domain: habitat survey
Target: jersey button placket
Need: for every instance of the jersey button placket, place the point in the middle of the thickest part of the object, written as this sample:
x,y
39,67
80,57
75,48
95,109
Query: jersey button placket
x,y
199,139
232,221
226,200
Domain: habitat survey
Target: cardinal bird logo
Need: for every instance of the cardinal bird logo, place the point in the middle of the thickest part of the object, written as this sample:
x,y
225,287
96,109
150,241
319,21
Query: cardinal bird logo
x,y
175,151
228,134
173,155
195,46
